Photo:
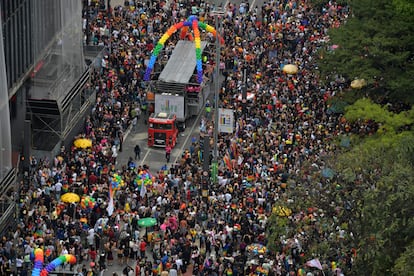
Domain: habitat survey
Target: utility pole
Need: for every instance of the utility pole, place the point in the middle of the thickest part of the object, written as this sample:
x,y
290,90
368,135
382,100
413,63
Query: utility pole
x,y
217,13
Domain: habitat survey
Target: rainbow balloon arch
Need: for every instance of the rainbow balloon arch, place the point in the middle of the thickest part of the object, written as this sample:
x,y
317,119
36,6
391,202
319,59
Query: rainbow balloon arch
x,y
40,270
192,22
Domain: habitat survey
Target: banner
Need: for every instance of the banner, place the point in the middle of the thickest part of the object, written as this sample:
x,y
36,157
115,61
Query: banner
x,y
170,104
314,263
226,120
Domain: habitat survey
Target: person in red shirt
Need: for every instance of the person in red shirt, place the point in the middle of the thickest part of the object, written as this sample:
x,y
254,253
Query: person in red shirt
x,y
168,153
92,254
92,179
142,248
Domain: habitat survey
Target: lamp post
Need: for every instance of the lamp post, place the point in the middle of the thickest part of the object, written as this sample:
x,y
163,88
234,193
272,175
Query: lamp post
x,y
217,13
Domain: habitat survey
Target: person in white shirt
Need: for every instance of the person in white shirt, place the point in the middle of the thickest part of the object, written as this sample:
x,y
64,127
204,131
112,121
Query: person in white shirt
x,y
173,271
19,264
58,189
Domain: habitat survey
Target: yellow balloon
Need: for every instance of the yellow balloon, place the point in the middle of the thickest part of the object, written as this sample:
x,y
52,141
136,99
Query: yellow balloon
x,y
127,208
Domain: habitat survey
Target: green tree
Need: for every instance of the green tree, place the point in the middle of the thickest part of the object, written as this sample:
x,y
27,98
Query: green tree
x,y
382,217
376,44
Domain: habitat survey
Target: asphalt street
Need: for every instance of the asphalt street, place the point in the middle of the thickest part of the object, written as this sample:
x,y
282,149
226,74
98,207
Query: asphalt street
x,y
154,158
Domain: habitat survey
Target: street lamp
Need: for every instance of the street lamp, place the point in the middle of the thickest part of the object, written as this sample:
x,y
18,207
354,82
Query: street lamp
x,y
217,13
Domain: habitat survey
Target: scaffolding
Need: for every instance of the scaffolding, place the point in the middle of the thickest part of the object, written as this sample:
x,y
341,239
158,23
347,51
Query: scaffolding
x,y
58,94
5,136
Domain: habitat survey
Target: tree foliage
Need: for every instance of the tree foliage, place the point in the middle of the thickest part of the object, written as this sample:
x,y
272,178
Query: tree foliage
x,y
365,109
383,196
376,44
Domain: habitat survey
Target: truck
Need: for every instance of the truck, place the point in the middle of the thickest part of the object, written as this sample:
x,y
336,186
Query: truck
x,y
176,90
162,130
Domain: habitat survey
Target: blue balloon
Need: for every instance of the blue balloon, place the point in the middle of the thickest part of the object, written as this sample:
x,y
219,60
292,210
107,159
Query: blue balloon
x,y
153,59
187,23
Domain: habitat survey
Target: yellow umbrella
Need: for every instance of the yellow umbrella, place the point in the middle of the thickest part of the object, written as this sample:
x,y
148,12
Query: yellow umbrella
x,y
281,211
290,69
358,84
70,198
83,143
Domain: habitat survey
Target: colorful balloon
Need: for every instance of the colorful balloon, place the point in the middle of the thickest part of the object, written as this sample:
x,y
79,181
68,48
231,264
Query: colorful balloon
x,y
39,270
192,21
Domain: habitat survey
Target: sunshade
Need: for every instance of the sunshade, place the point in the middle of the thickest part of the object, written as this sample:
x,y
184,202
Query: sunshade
x,y
70,198
82,143
290,69
281,211
358,84
147,222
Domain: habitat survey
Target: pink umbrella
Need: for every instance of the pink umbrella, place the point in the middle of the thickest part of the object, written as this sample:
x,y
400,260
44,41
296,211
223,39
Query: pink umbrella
x,y
163,227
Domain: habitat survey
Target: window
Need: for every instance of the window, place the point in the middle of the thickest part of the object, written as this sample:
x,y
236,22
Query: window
x,y
162,126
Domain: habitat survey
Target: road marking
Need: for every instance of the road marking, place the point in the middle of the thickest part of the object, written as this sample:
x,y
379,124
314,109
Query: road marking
x,y
146,155
252,5
225,5
189,135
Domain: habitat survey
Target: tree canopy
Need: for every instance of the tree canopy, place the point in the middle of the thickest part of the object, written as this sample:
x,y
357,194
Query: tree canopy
x,y
375,44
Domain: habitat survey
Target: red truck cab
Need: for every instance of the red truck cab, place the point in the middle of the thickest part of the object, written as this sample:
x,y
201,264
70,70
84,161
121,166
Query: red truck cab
x,y
162,130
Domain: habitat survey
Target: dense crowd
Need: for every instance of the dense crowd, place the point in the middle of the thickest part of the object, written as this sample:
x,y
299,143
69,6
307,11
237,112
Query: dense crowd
x,y
283,126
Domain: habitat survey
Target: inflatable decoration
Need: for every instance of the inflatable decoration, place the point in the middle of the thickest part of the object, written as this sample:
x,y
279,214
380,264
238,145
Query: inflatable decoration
x,y
256,249
143,177
67,258
38,261
117,182
88,202
192,22
39,270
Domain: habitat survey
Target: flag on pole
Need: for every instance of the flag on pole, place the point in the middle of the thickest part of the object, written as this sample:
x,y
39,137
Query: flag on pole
x,y
143,190
110,208
314,263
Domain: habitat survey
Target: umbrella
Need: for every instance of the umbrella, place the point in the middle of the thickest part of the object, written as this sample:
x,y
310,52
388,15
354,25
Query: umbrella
x,y
290,69
163,227
281,211
328,173
249,97
83,143
345,142
147,222
256,248
70,198
358,84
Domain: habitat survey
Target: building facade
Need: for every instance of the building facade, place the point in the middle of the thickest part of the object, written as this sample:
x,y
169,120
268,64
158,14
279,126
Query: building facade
x,y
43,76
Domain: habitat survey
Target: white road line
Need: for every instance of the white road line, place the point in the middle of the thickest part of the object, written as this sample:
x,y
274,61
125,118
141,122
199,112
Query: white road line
x,y
146,155
252,5
188,136
225,5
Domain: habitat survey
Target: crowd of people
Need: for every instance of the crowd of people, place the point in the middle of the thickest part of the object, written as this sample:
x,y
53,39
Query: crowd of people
x,y
281,127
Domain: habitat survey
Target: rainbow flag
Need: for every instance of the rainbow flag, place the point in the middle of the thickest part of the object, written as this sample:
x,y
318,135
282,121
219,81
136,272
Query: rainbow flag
x,y
227,161
200,156
110,208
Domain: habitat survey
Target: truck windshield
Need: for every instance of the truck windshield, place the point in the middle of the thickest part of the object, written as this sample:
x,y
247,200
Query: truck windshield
x,y
161,126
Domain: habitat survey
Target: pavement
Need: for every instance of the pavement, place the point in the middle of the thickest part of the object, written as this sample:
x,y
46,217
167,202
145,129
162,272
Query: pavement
x,y
154,158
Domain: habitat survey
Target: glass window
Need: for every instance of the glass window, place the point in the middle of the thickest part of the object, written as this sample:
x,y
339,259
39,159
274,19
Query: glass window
x,y
162,126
